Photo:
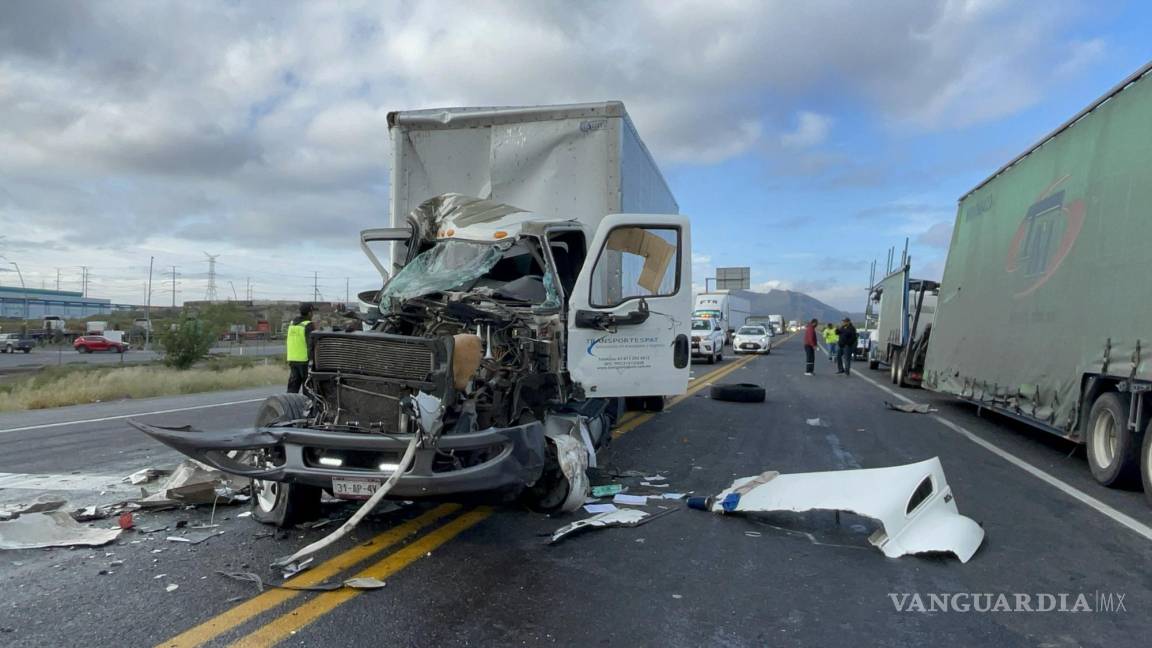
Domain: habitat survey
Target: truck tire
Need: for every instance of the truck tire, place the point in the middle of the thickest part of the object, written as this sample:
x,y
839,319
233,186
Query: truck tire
x,y
900,382
1113,455
893,361
738,393
1146,464
277,503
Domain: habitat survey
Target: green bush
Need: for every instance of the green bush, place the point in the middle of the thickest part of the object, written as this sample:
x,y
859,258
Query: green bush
x,y
187,343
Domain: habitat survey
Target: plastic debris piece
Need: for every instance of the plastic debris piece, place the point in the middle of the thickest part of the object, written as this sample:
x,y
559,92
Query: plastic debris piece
x,y
911,408
172,587
605,490
815,422
194,538
293,568
600,508
635,500
620,517
51,529
913,504
125,520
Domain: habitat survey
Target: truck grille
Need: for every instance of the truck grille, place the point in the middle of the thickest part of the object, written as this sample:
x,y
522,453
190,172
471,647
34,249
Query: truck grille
x,y
370,356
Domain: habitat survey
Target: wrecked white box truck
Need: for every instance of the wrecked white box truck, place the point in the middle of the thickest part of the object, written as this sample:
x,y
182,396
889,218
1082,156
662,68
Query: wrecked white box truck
x,y
537,274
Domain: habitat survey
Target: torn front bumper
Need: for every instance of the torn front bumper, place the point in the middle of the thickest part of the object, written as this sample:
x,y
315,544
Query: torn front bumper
x,y
913,503
491,459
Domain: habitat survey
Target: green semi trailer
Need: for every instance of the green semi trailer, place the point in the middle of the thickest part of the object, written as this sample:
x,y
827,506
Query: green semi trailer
x,y
1044,314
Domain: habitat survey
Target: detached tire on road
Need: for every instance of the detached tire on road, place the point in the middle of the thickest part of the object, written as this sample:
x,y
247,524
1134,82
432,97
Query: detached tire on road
x,y
1113,455
281,504
738,393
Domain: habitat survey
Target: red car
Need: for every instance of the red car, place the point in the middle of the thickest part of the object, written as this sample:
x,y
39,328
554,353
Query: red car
x,y
90,343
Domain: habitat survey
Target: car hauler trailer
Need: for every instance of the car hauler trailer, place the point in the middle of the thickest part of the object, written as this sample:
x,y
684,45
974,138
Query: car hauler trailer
x,y
905,309
1045,312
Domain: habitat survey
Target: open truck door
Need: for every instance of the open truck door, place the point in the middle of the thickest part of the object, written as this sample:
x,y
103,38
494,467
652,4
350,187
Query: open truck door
x,y
630,310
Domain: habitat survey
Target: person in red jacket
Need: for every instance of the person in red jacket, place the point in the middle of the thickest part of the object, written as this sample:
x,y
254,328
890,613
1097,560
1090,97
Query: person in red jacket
x,y
810,347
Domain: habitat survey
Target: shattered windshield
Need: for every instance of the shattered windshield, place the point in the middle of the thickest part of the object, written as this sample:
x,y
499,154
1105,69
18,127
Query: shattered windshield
x,y
506,271
447,265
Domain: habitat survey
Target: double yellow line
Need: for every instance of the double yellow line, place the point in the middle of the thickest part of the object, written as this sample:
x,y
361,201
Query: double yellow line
x,y
295,618
292,618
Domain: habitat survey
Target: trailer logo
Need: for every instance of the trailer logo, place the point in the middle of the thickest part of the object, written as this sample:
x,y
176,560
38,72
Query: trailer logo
x,y
1044,238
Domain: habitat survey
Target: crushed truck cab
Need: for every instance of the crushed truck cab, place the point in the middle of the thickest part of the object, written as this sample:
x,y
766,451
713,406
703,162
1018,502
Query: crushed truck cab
x,y
505,337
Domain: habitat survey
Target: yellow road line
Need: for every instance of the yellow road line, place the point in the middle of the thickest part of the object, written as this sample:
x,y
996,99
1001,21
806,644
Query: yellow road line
x,y
698,383
293,620
249,609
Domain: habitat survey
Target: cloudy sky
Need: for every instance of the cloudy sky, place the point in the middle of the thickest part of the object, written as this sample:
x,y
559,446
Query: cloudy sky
x,y
804,138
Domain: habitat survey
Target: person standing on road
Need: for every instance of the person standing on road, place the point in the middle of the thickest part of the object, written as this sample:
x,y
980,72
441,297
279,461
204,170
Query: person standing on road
x,y
299,347
847,341
830,338
810,347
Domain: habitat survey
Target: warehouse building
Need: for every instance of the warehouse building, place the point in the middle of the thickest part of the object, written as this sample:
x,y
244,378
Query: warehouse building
x,y
59,303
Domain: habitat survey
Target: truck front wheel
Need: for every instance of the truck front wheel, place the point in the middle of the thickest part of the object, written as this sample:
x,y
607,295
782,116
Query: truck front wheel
x,y
1146,464
281,504
1113,455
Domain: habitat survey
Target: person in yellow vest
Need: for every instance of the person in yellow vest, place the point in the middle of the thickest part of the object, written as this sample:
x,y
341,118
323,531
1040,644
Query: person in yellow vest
x,y
830,339
299,348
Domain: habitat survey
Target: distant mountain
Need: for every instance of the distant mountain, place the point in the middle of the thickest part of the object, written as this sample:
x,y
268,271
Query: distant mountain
x,y
793,306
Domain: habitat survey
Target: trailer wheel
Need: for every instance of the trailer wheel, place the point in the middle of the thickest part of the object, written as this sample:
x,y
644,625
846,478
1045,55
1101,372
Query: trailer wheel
x,y
278,503
900,382
1146,464
893,361
1113,455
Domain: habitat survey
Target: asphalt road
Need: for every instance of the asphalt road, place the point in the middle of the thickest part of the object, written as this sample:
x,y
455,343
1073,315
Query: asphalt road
x,y
468,574
48,356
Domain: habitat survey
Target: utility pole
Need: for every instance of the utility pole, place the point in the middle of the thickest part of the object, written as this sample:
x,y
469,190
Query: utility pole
x,y
210,294
172,274
315,286
248,288
148,305
57,279
233,286
346,296
83,281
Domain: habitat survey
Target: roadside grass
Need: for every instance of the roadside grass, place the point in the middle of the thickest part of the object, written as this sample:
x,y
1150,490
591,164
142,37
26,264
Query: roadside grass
x,y
79,384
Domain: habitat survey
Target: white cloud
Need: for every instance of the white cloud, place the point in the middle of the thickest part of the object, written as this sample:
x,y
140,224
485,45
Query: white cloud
x,y
252,127
811,130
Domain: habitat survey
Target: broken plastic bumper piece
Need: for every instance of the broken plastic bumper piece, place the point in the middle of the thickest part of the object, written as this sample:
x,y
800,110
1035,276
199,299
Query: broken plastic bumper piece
x,y
913,503
491,459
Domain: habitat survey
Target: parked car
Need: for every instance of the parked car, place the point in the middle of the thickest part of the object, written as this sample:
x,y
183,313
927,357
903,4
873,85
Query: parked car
x,y
752,339
13,342
707,339
90,343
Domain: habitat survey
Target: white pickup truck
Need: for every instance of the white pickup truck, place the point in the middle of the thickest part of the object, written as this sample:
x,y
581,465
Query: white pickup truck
x,y
707,339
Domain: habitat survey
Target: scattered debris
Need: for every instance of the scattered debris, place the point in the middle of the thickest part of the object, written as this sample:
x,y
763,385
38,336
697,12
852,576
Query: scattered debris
x,y
144,476
913,504
245,514
656,478
172,587
620,517
51,529
359,583
606,489
911,408
672,496
651,485
90,514
600,508
194,483
37,507
635,500
815,422
194,538
293,568
753,534
126,520
573,457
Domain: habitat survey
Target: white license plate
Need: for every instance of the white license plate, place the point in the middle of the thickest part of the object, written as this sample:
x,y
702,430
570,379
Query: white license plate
x,y
354,488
